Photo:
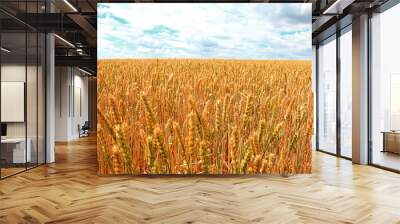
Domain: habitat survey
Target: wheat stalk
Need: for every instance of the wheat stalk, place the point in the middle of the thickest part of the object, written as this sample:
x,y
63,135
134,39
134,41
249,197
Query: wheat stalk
x,y
204,116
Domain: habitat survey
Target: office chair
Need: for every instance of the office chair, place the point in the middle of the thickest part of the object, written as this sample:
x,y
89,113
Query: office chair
x,y
84,130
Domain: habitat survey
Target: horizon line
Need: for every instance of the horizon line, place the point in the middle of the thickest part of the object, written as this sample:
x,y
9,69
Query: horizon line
x,y
238,59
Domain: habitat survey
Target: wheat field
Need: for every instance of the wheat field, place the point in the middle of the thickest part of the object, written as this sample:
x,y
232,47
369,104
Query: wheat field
x,y
188,116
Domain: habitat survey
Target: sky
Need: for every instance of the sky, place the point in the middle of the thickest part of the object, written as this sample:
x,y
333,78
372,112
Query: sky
x,y
212,30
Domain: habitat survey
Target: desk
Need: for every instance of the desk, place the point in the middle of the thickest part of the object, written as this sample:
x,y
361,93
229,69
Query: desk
x,y
13,150
391,141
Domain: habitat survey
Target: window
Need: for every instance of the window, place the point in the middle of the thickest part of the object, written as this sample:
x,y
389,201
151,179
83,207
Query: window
x,y
385,89
327,96
394,102
346,93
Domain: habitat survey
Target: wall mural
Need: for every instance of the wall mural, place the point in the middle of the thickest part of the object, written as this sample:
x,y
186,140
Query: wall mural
x,y
204,95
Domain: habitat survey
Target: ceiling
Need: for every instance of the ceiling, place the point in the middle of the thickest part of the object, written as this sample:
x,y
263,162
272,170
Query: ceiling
x,y
75,29
332,15
75,22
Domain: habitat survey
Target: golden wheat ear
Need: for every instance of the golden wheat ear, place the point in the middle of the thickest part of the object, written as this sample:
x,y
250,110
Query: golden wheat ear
x,y
199,116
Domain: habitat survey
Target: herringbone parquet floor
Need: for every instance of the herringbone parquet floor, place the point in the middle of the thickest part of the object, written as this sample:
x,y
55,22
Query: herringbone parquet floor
x,y
69,191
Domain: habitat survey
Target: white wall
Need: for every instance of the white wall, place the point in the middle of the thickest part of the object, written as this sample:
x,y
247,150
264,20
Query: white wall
x,y
70,83
12,73
62,82
81,84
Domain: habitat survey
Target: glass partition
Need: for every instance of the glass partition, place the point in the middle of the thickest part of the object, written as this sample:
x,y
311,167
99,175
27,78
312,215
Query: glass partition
x,y
327,96
385,89
22,77
346,93
14,155
31,99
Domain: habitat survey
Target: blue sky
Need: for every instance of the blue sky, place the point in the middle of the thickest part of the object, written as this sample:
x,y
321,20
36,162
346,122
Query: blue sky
x,y
220,30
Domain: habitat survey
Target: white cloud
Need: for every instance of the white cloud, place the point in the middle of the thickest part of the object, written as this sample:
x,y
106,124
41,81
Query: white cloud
x,y
252,31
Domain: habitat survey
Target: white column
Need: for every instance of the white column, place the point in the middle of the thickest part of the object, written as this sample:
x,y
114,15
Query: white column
x,y
50,110
360,90
50,92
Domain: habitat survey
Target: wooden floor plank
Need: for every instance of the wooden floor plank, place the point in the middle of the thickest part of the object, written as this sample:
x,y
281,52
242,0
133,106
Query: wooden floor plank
x,y
70,191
